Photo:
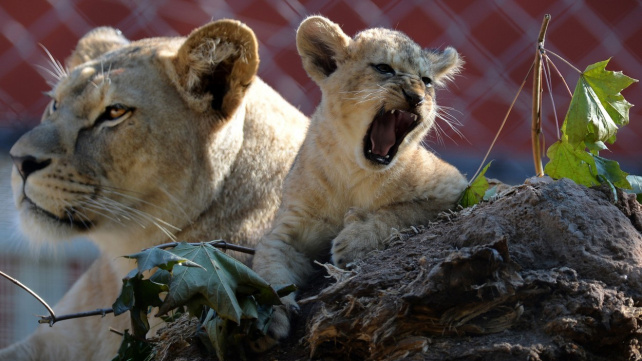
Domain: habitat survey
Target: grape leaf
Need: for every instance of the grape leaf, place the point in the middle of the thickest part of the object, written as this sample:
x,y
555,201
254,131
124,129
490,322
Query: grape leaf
x,y
217,282
475,191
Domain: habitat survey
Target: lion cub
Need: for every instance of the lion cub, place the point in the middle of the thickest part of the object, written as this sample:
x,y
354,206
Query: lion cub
x,y
361,170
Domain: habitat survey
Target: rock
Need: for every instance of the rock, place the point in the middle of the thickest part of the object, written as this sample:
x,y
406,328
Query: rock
x,y
547,271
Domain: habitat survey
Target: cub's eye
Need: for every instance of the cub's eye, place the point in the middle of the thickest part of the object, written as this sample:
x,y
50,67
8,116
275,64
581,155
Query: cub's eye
x,y
384,69
53,106
427,81
114,112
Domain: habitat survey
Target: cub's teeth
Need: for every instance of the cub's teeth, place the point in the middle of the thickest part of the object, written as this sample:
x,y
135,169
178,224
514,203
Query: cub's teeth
x,y
414,117
392,111
369,151
387,156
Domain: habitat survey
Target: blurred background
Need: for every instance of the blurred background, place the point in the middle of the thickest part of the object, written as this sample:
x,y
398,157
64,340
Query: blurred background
x,y
496,38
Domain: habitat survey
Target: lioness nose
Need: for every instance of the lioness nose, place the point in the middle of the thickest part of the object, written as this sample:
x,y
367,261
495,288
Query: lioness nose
x,y
29,164
413,98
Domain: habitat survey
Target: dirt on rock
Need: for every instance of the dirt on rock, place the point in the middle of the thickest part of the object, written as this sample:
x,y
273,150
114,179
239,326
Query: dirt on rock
x,y
547,271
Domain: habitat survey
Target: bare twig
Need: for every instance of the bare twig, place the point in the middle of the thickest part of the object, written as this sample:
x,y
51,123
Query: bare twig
x,y
53,319
218,244
550,61
536,129
121,334
49,309
492,144
564,60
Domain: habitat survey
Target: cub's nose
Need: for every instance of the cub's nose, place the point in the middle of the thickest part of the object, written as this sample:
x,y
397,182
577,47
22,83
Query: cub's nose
x,y
413,98
28,164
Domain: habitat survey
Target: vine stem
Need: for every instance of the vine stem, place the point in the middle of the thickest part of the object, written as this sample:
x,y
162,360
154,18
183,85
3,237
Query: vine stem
x,y
536,128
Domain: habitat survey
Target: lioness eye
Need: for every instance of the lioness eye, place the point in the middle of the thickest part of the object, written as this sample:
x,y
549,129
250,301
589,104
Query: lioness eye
x,y
384,69
427,81
54,106
113,112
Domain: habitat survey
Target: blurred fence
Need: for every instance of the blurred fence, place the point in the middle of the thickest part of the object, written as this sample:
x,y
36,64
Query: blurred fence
x,y
496,38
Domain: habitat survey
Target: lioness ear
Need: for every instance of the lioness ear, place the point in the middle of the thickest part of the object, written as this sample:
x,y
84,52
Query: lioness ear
x,y
445,65
320,43
94,44
216,64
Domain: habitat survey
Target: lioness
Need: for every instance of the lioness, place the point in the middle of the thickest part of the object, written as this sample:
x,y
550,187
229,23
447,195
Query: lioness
x,y
361,170
145,142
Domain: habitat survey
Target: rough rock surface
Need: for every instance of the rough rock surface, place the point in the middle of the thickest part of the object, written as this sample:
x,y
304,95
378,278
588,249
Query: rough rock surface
x,y
551,271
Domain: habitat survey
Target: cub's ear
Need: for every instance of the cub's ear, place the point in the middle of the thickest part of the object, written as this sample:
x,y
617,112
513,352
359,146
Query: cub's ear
x,y
321,43
94,44
216,64
445,65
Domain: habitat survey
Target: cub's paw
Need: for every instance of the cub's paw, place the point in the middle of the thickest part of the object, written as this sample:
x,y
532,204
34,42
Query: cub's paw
x,y
355,241
279,327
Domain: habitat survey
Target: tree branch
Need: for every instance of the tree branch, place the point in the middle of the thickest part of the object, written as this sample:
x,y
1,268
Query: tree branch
x,y
218,244
49,309
53,319
536,128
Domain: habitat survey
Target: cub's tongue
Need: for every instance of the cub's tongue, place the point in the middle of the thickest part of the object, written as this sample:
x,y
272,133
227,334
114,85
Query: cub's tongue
x,y
382,134
387,129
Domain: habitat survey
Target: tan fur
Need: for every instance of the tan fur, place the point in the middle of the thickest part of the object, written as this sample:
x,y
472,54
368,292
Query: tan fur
x,y
335,200
189,162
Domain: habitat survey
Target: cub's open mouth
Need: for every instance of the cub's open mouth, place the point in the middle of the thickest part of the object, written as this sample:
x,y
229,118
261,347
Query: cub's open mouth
x,y
385,134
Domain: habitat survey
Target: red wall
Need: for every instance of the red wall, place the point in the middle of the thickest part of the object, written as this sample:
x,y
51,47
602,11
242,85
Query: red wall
x,y
497,39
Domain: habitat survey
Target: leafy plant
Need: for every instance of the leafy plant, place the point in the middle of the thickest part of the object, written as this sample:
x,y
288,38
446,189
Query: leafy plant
x,y
229,299
596,112
477,189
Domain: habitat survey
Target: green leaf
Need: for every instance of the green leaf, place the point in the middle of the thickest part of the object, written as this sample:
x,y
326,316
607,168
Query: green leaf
x,y
636,185
249,307
284,290
156,257
610,170
583,168
133,349
490,193
568,161
597,107
474,193
218,281
264,315
137,296
217,332
125,300
586,119
607,86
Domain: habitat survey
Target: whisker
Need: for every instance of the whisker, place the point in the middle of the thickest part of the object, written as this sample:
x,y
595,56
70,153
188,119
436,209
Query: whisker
x,y
57,66
114,215
159,223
